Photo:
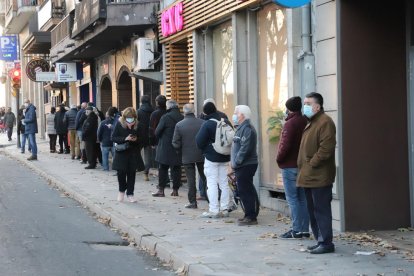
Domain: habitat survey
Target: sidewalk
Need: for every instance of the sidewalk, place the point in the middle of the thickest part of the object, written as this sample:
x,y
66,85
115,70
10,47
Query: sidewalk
x,y
196,246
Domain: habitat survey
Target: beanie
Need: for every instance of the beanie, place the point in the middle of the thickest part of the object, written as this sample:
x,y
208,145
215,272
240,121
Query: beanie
x,y
294,104
209,108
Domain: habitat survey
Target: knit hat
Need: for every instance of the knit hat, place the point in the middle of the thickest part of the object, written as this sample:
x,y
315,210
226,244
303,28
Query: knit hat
x,y
209,108
294,104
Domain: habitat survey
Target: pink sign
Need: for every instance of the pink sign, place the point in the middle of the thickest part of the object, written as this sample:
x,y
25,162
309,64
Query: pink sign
x,y
172,20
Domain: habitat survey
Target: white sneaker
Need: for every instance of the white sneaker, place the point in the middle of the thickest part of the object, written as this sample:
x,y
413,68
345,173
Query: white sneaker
x,y
211,215
131,199
121,196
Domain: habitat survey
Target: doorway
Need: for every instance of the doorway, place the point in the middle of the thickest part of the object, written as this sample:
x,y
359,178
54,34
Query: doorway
x,y
124,90
106,94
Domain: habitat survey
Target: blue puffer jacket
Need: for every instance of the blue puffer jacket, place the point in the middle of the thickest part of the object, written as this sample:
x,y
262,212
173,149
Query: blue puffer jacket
x,y
105,131
206,137
243,150
30,120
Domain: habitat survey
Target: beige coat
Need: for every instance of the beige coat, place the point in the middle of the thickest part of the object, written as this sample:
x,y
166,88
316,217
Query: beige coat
x,y
316,159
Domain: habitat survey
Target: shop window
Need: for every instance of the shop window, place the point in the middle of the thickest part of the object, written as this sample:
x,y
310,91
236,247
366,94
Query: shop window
x,y
273,89
223,68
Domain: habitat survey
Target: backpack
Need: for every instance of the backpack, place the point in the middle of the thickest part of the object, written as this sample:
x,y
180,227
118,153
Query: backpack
x,y
224,137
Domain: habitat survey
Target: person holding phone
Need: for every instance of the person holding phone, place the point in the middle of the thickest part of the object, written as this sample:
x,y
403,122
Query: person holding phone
x,y
127,158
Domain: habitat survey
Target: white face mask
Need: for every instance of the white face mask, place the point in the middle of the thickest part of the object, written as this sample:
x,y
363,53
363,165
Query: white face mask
x,y
26,105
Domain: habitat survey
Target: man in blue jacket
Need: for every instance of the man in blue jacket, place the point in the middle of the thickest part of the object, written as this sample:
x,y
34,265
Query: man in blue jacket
x,y
30,123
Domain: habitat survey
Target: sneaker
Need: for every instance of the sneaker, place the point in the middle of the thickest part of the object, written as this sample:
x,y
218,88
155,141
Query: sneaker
x,y
305,235
291,235
121,196
312,247
131,199
192,205
247,222
211,215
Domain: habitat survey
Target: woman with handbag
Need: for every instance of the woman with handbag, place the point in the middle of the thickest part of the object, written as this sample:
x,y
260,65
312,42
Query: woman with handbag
x,y
127,157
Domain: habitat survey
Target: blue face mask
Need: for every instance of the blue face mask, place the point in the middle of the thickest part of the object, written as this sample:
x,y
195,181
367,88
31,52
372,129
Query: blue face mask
x,y
235,119
307,111
130,120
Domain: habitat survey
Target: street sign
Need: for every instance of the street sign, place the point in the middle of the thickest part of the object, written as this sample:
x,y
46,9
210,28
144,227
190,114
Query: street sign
x,y
66,72
46,76
36,65
292,3
8,48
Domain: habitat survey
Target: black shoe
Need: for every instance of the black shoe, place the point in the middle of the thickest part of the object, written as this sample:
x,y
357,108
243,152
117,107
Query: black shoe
x,y
160,193
247,221
174,192
305,234
291,235
191,205
73,157
32,158
322,249
78,158
312,247
90,167
60,152
83,162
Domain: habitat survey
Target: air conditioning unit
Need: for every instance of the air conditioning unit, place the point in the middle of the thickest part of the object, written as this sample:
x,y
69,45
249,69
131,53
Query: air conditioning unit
x,y
143,54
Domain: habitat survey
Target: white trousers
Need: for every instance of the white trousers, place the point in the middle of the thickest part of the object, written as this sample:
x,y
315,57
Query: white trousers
x,y
216,174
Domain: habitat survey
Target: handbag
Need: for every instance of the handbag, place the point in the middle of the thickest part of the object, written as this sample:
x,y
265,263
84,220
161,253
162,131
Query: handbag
x,y
122,147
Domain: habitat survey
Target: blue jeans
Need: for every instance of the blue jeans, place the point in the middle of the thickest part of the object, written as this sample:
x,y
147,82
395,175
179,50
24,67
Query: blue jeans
x,y
23,146
32,142
296,199
105,156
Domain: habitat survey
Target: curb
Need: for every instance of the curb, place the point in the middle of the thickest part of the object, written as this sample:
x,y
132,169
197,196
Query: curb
x,y
181,261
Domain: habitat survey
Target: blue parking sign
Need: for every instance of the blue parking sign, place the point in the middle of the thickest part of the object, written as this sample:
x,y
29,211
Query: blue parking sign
x,y
292,3
8,48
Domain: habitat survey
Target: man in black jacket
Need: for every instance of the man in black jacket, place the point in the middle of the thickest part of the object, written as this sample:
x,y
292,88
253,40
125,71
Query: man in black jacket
x,y
144,115
70,120
62,130
89,135
155,117
167,156
80,119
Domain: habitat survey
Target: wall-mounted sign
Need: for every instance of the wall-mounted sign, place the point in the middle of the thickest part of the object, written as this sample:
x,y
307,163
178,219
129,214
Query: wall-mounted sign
x,y
67,71
45,76
292,3
172,20
34,66
8,48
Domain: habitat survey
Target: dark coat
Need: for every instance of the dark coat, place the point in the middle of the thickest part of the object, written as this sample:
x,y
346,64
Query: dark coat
x,y
243,150
184,139
144,116
206,137
316,159
30,120
130,159
70,119
154,121
166,154
9,119
287,154
60,125
20,118
90,128
80,119
104,132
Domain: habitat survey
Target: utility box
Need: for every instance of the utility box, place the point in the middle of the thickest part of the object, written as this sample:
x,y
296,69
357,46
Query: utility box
x,y
143,54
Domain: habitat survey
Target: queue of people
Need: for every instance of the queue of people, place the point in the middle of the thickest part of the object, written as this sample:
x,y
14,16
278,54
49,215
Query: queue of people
x,y
211,145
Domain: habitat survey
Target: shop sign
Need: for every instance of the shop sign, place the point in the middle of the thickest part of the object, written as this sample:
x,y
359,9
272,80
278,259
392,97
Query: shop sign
x,y
172,20
292,3
68,71
36,65
45,76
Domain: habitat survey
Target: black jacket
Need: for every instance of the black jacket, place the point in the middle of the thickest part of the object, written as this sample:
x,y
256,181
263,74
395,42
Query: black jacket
x,y
80,119
206,137
70,119
60,125
144,116
90,128
130,159
104,132
166,154
154,121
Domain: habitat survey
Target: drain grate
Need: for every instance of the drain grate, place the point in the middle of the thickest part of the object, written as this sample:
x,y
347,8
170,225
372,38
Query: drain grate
x,y
108,243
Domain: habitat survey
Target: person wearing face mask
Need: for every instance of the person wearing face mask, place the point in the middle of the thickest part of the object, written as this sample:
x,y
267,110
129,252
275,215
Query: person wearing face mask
x,y
104,137
287,156
89,136
317,171
30,123
127,160
244,162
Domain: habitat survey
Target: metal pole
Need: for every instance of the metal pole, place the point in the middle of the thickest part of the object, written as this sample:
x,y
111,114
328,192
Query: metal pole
x,y
17,110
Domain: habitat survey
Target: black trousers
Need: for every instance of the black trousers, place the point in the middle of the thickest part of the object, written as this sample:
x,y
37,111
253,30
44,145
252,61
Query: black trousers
x,y
52,142
126,181
191,179
63,140
90,147
163,178
247,191
320,213
9,132
98,152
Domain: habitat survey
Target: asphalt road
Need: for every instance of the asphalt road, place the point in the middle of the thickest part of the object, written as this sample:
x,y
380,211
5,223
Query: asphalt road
x,y
44,233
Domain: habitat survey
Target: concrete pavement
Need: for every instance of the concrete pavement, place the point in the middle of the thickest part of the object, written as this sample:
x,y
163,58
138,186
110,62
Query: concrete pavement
x,y
196,246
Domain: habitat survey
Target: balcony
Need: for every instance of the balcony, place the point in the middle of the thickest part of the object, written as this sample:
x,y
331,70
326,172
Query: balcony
x,y
38,42
104,25
17,14
50,14
60,38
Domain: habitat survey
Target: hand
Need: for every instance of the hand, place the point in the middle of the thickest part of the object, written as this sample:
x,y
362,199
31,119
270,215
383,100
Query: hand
x,y
109,125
